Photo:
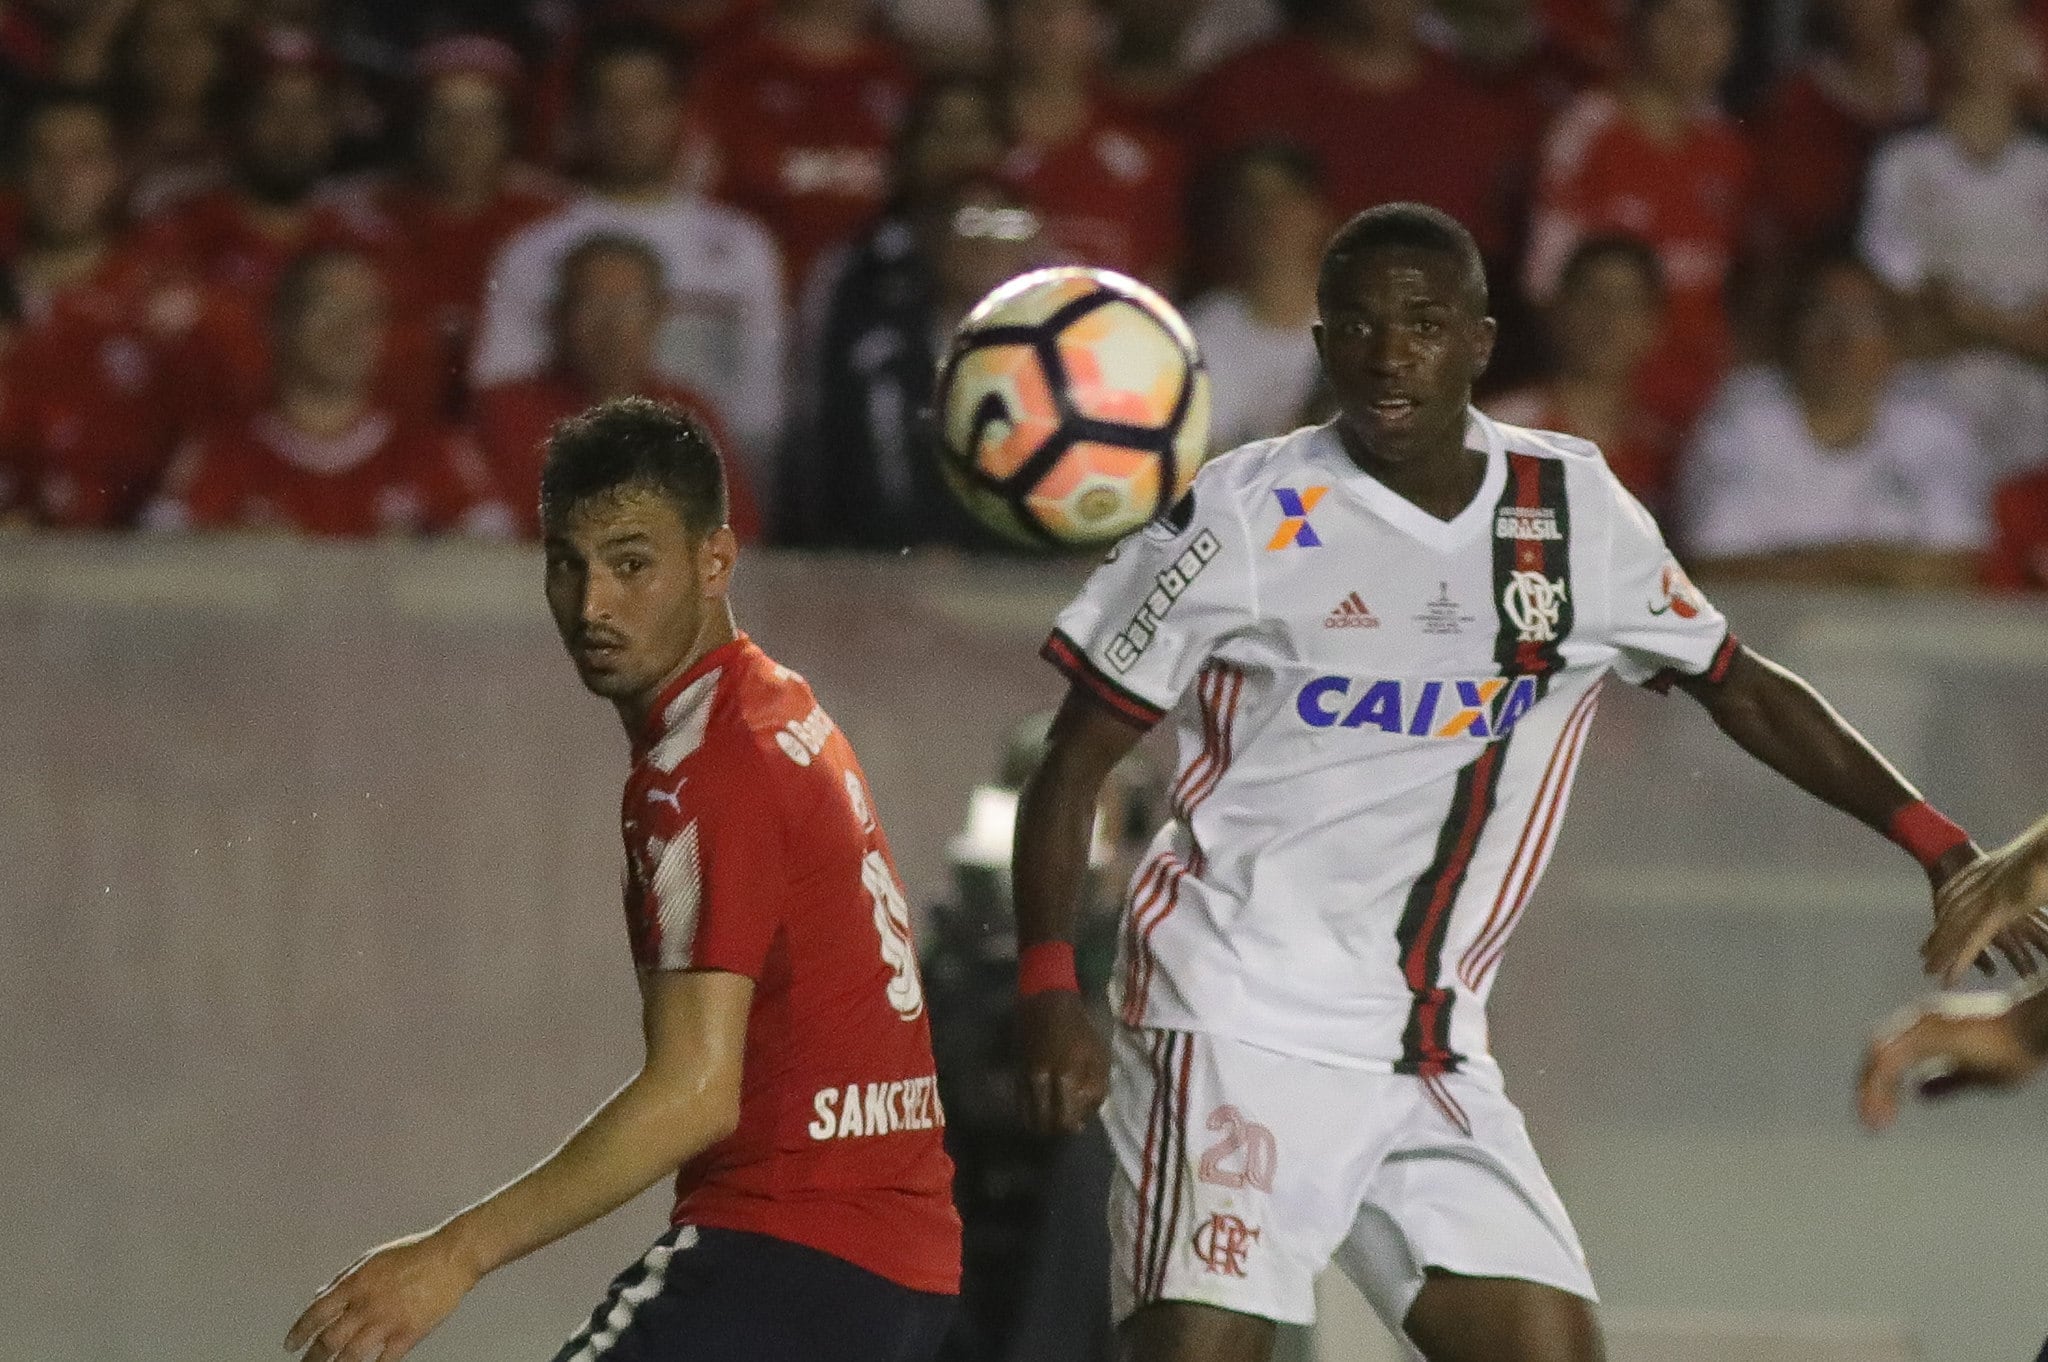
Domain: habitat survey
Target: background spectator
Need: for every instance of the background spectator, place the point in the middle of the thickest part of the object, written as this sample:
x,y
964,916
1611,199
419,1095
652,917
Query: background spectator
x,y
722,325
869,480
1958,217
1108,186
1653,157
463,196
801,114
608,302
328,456
1604,319
2018,560
87,419
168,69
1349,66
229,246
1865,76
1253,329
1827,468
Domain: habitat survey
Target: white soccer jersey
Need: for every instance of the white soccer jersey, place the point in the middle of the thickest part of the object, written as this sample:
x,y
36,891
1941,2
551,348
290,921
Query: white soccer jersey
x,y
1378,715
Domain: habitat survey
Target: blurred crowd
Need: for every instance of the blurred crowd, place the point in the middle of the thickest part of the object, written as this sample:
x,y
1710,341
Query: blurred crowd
x,y
336,266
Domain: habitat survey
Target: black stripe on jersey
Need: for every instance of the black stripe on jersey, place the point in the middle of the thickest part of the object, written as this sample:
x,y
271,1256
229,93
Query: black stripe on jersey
x,y
1177,1165
1072,659
1154,1235
1426,917
1536,488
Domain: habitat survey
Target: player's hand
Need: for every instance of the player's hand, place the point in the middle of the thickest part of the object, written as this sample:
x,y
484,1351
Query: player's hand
x,y
1995,899
1065,1062
386,1303
1952,1043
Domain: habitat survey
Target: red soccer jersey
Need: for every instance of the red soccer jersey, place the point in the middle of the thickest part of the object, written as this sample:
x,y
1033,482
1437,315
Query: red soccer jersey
x,y
2018,560
512,425
1602,173
1642,456
455,250
385,475
1812,142
88,418
229,267
1111,194
752,846
803,145
1440,139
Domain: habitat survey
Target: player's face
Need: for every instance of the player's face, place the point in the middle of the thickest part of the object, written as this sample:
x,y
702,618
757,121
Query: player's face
x,y
631,590
1402,339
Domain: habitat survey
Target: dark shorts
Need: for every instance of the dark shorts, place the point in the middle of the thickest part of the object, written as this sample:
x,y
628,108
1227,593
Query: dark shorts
x,y
708,1295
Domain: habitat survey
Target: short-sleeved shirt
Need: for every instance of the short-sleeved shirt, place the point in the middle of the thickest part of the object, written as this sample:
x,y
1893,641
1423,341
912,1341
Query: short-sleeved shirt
x,y
1757,481
385,474
1440,138
1378,715
1602,173
803,143
753,846
1111,194
723,322
1933,212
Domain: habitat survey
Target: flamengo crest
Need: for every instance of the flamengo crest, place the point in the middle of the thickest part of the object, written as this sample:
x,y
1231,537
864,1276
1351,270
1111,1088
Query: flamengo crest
x,y
1533,603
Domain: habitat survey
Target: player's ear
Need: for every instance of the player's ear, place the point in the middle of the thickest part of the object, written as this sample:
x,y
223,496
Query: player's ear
x,y
1484,334
716,556
1315,329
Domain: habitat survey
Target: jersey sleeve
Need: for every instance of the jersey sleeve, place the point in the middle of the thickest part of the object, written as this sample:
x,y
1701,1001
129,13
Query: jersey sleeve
x,y
1661,625
707,874
1158,608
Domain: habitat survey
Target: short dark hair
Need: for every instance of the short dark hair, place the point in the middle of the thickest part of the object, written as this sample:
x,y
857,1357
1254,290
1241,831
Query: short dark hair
x,y
1596,250
1402,226
631,444
596,244
626,37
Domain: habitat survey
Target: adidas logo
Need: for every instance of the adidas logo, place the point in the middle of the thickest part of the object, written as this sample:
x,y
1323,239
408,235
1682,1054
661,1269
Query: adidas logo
x,y
1351,613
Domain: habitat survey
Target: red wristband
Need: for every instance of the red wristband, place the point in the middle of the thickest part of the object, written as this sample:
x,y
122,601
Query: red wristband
x,y
1046,967
1926,832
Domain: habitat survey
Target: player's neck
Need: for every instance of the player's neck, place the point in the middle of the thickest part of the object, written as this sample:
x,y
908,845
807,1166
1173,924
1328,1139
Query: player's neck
x,y
1440,481
718,629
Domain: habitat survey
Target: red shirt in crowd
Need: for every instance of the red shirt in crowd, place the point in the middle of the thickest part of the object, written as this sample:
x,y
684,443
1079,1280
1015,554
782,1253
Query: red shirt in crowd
x,y
1813,138
1111,195
1441,139
230,266
753,847
1688,199
88,423
802,143
385,475
512,425
1643,456
445,289
2018,560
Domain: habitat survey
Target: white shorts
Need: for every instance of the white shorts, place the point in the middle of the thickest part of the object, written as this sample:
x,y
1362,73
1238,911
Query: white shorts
x,y
1242,1172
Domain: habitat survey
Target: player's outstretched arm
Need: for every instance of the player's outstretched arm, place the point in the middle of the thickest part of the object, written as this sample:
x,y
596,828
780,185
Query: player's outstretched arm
x,y
1065,1065
685,1098
1784,723
1950,1044
2005,889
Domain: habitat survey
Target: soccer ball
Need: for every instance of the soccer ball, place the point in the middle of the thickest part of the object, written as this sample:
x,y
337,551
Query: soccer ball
x,y
1073,408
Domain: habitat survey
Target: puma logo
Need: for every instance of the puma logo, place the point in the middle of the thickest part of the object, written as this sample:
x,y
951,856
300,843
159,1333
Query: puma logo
x,y
672,798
